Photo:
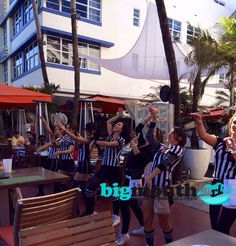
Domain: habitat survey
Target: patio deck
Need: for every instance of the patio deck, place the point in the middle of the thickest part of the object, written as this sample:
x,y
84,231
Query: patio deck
x,y
187,218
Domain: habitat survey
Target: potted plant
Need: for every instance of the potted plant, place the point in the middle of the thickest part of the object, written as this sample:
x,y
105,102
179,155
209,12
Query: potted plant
x,y
202,58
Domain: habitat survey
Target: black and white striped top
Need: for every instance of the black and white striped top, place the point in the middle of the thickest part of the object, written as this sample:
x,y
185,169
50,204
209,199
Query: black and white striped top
x,y
53,149
64,143
225,164
83,151
165,158
110,154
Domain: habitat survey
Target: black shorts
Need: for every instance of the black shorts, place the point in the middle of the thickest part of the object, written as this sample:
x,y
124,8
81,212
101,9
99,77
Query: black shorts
x,y
43,162
67,165
84,167
52,164
110,174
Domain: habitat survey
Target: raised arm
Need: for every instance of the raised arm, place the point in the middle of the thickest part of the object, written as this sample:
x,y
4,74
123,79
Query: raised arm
x,y
150,132
78,138
120,113
47,127
206,137
45,146
119,141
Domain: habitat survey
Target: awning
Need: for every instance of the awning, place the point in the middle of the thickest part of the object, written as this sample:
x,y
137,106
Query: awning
x,y
216,113
101,103
15,97
107,104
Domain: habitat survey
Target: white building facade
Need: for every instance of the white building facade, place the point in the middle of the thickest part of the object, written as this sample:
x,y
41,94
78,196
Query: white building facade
x,y
106,29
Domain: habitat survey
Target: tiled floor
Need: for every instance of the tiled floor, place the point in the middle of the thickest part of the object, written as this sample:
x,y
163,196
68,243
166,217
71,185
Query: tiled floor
x,y
188,218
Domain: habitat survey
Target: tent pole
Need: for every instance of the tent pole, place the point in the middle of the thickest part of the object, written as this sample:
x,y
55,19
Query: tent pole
x,y
12,122
91,108
40,120
85,117
36,122
47,118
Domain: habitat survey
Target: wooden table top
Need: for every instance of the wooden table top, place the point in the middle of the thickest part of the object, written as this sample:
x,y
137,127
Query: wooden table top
x,y
205,238
30,176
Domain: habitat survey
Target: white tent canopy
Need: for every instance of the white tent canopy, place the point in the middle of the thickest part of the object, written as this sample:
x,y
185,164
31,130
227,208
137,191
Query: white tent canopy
x,y
146,59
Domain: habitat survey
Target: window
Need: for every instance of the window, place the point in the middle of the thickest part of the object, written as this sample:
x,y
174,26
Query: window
x,y
5,71
60,51
175,28
53,4
65,6
28,11
191,32
136,17
88,9
223,78
67,52
31,57
5,36
94,10
17,22
53,49
17,65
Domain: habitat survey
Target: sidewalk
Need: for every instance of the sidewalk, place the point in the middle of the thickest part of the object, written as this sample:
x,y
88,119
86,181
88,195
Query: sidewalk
x,y
186,221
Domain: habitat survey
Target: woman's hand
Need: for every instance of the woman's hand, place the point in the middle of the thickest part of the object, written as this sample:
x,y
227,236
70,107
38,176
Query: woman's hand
x,y
120,112
153,113
61,126
134,140
197,117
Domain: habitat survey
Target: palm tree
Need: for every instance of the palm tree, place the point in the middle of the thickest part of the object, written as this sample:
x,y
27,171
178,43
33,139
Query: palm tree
x,y
76,62
40,44
227,53
223,97
203,58
170,57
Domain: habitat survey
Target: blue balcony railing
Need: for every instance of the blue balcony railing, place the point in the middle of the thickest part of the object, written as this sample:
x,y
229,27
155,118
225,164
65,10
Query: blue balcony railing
x,y
3,54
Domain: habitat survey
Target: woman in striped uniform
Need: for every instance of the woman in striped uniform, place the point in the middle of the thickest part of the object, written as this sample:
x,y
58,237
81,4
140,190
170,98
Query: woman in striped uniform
x,y
110,167
66,145
221,217
164,162
141,154
84,149
52,147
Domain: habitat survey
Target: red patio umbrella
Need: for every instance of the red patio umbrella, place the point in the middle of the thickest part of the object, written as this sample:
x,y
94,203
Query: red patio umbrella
x,y
15,97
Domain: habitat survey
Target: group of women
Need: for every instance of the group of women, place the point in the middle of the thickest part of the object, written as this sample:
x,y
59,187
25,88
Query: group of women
x,y
147,157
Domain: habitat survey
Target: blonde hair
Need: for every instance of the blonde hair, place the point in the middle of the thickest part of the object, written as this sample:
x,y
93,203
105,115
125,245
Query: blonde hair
x,y
229,124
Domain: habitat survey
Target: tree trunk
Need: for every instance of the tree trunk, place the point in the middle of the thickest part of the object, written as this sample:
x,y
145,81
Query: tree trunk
x,y
196,92
40,44
232,89
76,62
170,57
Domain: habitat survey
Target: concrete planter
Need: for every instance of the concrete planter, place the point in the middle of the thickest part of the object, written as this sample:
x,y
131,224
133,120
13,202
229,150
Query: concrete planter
x,y
197,160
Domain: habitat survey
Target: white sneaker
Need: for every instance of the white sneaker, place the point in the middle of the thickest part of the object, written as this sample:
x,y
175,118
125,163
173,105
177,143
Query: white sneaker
x,y
94,213
122,239
138,231
115,220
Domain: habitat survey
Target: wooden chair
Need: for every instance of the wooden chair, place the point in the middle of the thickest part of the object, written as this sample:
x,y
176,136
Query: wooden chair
x,y
31,212
86,231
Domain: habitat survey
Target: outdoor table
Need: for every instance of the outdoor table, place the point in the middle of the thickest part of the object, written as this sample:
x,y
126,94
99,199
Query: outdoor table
x,y
24,177
206,238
